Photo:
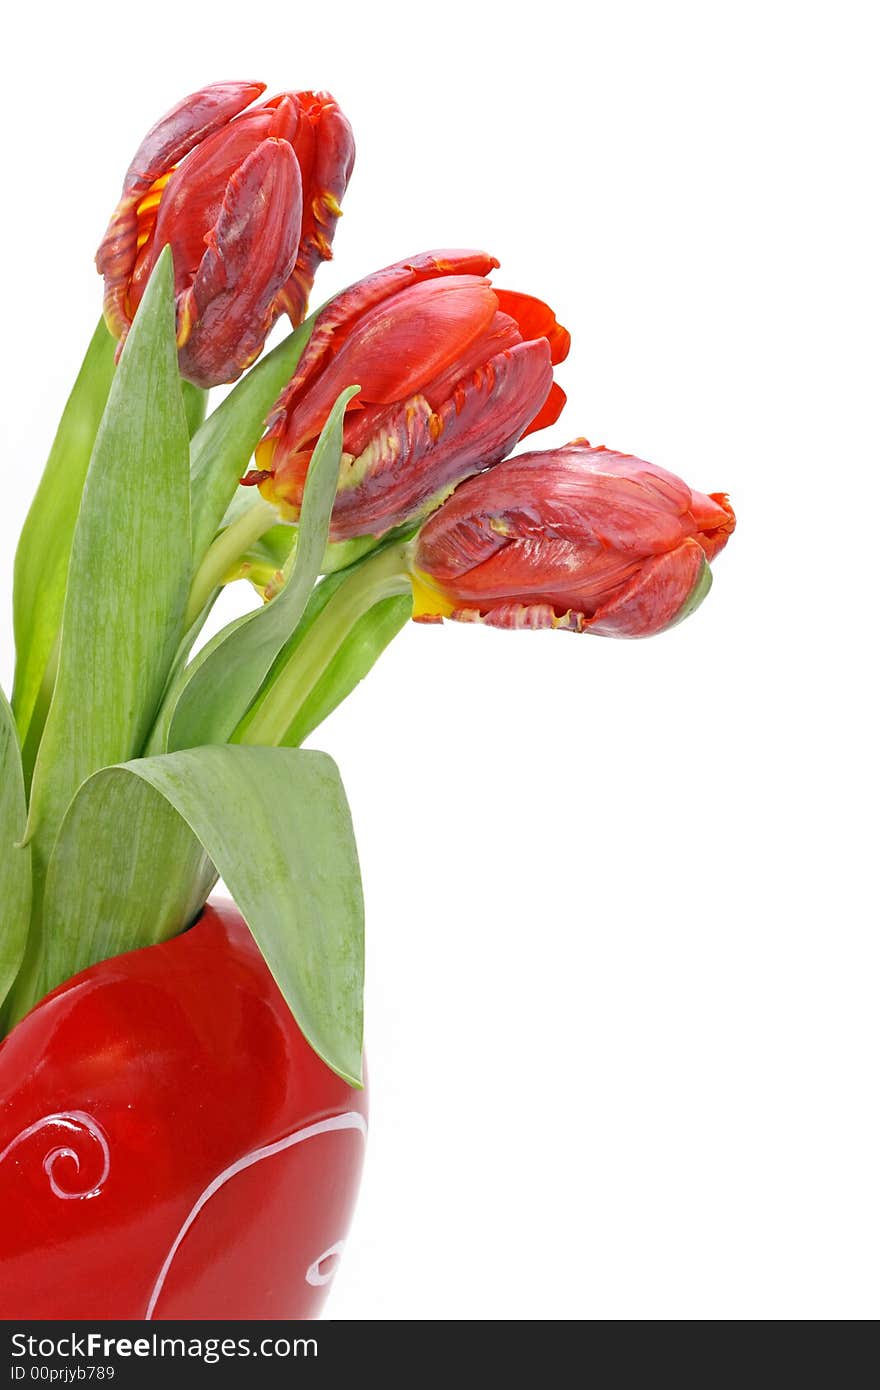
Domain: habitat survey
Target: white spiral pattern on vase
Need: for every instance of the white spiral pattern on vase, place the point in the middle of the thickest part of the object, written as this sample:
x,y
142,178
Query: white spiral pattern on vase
x,y
352,1119
76,1125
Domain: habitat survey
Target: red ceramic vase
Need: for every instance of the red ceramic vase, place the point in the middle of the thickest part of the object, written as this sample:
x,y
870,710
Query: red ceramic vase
x,y
170,1146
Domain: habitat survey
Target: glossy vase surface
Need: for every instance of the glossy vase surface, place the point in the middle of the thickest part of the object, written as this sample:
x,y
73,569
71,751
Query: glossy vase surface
x,y
170,1146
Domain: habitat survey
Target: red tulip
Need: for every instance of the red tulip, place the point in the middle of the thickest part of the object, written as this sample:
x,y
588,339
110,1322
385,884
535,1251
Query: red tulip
x,y
247,200
578,538
452,373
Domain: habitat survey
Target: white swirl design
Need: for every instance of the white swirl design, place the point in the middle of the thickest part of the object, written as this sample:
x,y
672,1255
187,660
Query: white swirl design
x,y
352,1119
315,1275
75,1124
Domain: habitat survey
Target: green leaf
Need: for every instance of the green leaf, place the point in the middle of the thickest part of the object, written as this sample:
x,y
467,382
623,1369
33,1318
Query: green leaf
x,y
222,447
195,404
130,570
146,882
15,860
274,822
226,675
44,548
177,675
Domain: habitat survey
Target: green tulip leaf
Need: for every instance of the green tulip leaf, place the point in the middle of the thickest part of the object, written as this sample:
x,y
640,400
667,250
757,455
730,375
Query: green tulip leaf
x,y
44,548
222,447
218,687
146,882
274,822
15,860
130,570
195,405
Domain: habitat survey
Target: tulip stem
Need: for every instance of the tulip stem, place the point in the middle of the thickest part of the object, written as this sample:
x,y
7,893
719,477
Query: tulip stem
x,y
382,576
225,551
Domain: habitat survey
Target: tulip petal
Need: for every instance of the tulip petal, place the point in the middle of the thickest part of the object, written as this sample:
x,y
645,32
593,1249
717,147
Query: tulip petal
x,y
665,589
580,494
662,592
400,346
540,569
285,119
343,313
502,333
536,320
233,300
164,145
422,454
191,201
519,616
550,411
183,127
324,146
715,529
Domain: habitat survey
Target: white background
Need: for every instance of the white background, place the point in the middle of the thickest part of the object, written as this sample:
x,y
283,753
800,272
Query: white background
x,y
623,959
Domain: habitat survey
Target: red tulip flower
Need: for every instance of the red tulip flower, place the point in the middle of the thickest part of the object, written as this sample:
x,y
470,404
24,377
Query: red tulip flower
x,y
578,538
452,373
247,201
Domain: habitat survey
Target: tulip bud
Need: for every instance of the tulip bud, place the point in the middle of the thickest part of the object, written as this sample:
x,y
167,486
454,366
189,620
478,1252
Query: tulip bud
x,y
247,200
579,538
452,373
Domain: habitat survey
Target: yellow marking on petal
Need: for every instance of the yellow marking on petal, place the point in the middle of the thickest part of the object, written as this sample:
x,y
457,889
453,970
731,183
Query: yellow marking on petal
x,y
274,587
500,526
435,426
427,601
152,197
287,511
264,453
147,209
186,317
331,204
349,475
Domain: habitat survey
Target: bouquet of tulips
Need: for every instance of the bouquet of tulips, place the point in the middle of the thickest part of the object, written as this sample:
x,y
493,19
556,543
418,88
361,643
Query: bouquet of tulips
x,y
359,474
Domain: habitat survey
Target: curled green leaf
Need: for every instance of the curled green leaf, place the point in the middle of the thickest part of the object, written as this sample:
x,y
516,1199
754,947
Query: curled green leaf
x,y
273,821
